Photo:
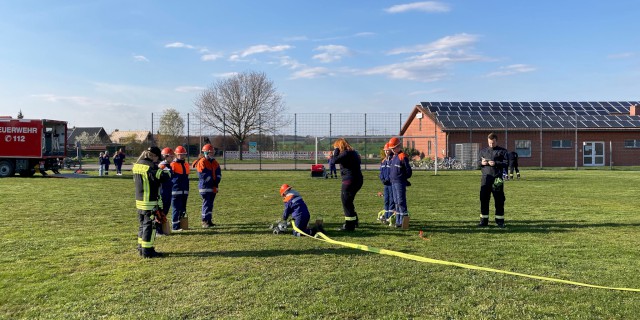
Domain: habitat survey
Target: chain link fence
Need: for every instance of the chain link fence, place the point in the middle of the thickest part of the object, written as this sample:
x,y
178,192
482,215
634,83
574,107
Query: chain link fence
x,y
569,140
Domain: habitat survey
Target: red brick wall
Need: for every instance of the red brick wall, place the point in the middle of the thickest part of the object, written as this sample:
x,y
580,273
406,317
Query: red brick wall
x,y
554,157
425,127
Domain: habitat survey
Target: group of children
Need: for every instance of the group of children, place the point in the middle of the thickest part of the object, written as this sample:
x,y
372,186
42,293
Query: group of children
x,y
395,172
174,192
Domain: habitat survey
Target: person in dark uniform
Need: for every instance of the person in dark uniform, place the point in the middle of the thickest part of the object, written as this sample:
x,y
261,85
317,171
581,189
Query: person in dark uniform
x,y
399,173
332,167
492,160
352,180
297,209
180,192
118,160
166,186
147,179
385,168
513,165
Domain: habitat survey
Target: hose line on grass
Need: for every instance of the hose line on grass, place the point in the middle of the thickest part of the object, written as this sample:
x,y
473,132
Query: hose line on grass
x,y
322,237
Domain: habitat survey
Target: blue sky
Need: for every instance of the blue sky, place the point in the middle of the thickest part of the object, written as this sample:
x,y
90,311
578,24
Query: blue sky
x,y
112,63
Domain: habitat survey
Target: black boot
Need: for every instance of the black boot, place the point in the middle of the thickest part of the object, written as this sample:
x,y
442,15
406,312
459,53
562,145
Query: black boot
x,y
151,253
483,222
348,226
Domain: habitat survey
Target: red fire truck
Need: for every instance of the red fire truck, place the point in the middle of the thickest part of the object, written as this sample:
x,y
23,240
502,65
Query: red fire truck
x,y
28,145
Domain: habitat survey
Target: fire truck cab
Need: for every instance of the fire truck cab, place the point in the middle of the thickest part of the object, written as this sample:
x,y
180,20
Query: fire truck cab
x,y
30,145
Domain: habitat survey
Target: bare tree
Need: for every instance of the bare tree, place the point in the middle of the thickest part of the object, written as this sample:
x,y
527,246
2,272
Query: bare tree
x,y
88,139
241,105
171,128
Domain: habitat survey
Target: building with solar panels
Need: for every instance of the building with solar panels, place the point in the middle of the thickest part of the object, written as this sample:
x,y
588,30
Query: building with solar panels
x,y
544,134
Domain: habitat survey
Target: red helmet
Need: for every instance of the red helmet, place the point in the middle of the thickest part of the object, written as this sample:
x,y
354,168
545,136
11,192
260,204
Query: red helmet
x,y
207,148
394,142
386,147
284,188
180,150
167,152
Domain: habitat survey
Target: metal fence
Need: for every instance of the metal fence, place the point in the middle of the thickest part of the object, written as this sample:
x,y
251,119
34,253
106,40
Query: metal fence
x,y
541,140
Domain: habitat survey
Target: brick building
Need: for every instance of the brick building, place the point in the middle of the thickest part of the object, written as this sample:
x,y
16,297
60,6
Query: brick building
x,y
545,134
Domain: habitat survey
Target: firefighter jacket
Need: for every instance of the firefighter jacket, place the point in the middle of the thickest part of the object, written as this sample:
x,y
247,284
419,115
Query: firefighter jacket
x,y
209,175
349,164
294,206
489,173
400,169
513,159
147,179
180,177
385,168
167,184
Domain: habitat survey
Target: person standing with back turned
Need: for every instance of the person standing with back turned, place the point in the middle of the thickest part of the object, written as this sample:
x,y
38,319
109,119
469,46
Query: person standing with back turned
x,y
352,181
492,160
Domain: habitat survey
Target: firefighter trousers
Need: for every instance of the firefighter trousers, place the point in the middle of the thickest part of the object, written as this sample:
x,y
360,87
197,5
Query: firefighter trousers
x,y
146,231
207,205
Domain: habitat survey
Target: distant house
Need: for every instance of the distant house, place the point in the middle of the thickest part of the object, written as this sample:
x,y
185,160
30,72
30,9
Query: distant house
x,y
552,134
121,137
74,133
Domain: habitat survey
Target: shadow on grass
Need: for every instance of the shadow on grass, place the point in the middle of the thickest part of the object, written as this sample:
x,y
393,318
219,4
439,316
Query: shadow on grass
x,y
365,230
530,226
268,253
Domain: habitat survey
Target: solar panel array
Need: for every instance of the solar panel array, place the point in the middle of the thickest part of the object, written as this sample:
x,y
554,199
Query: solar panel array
x,y
548,115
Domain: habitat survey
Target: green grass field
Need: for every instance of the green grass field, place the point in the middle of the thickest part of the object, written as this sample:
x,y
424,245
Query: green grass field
x,y
69,251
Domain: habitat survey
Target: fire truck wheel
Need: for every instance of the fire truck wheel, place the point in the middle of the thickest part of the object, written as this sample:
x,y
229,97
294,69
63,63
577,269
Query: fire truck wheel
x,y
6,169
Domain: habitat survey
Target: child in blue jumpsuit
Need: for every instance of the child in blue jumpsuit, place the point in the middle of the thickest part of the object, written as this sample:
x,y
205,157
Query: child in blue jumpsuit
x,y
385,168
166,185
332,167
400,172
209,176
180,192
295,207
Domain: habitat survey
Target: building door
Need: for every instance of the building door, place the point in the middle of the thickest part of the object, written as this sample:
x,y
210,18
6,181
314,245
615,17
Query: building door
x,y
593,153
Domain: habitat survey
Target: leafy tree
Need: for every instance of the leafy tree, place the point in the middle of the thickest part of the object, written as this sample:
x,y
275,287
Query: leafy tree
x,y
241,105
171,128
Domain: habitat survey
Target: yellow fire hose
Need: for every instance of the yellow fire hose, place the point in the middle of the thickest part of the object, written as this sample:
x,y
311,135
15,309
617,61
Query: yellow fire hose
x,y
322,237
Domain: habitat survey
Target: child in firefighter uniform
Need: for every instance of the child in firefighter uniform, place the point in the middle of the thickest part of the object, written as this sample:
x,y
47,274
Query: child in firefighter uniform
x,y
180,191
147,179
209,176
295,208
385,168
166,186
399,174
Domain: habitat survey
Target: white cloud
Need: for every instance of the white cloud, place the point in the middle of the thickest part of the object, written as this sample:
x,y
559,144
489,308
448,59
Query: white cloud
x,y
225,75
210,57
331,53
623,55
140,58
310,73
179,45
433,60
445,43
425,6
189,89
263,48
288,62
511,69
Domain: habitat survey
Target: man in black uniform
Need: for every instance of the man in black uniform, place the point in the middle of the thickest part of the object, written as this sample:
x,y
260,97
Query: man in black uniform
x,y
492,160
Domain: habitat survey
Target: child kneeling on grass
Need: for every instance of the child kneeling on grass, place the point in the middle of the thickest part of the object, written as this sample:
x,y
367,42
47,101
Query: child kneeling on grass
x,y
295,207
